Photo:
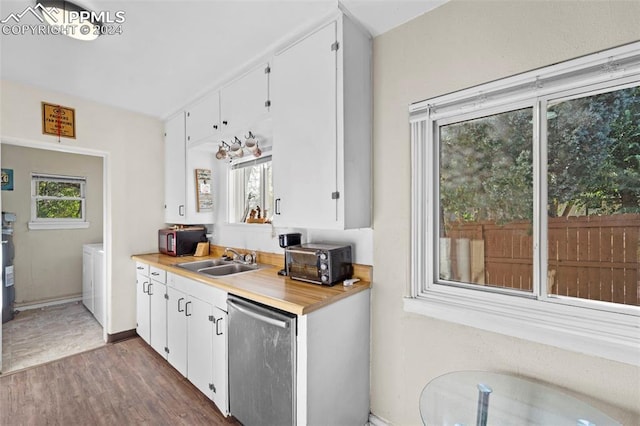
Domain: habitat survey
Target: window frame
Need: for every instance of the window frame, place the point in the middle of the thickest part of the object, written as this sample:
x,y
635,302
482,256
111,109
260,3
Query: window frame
x,y
596,328
231,196
38,223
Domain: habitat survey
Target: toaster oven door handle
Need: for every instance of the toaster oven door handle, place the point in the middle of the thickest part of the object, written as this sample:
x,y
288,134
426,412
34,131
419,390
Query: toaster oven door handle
x,y
301,251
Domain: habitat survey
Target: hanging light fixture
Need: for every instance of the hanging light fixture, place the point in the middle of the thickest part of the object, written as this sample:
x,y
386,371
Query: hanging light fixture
x,y
74,21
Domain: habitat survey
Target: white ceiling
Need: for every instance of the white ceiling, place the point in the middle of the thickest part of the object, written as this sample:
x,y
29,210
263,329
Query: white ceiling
x,y
170,52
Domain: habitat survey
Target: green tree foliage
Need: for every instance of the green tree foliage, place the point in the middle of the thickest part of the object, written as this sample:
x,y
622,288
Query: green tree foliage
x,y
593,160
486,168
594,153
60,200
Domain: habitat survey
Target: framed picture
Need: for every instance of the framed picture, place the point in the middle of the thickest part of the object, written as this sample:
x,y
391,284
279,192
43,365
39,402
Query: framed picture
x,y
204,193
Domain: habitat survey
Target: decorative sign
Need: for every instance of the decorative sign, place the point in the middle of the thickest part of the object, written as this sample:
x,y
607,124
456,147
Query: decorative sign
x,y
58,120
7,179
204,195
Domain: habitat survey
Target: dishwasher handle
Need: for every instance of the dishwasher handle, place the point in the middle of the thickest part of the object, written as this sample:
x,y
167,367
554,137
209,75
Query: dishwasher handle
x,y
257,315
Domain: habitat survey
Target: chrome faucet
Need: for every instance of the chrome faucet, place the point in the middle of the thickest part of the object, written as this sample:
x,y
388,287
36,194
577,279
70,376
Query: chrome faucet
x,y
236,255
241,258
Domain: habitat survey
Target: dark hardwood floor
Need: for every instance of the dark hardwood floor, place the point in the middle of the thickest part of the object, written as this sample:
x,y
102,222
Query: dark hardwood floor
x,y
125,383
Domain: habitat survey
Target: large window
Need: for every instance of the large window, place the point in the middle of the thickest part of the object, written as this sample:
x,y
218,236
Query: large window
x,y
57,202
526,205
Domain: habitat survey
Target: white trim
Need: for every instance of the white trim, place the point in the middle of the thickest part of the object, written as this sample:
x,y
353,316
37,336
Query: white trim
x,y
47,304
35,226
377,421
592,332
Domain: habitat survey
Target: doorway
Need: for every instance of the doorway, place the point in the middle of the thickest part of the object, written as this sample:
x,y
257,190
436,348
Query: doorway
x,y
48,262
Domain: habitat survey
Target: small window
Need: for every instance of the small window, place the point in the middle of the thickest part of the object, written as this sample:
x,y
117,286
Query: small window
x,y
57,202
251,191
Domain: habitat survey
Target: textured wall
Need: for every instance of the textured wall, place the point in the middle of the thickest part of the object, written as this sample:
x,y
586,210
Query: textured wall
x,y
458,45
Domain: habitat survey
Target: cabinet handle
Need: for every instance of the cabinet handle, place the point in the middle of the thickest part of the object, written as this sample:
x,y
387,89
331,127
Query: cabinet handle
x,y
180,310
186,309
218,333
137,267
225,122
149,289
143,290
155,273
277,207
215,126
181,210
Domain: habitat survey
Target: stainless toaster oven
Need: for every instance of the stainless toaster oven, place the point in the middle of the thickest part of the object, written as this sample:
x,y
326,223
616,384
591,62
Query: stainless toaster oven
x,y
319,263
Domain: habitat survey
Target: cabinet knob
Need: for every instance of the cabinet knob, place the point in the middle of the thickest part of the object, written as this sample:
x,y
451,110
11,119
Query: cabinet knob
x,y
215,126
225,122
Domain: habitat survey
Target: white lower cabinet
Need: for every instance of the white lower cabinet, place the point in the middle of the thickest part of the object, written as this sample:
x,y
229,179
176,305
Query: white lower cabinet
x,y
143,306
158,316
151,306
197,336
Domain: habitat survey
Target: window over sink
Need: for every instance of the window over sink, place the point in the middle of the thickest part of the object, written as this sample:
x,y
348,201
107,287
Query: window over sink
x,y
251,191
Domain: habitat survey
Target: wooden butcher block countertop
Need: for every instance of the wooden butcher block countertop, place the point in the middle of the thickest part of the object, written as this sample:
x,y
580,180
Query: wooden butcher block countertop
x,y
265,285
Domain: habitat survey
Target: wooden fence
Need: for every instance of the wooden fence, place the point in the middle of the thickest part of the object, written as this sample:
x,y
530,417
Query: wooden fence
x,y
590,257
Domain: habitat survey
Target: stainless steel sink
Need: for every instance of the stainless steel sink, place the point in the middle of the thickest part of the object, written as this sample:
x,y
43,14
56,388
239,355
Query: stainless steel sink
x,y
202,264
234,268
219,267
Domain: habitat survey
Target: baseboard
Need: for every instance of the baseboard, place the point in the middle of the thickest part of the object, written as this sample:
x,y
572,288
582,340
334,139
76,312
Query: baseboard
x,y
377,421
123,335
39,305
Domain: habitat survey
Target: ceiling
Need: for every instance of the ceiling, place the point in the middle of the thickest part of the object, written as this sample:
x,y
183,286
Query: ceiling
x,y
170,52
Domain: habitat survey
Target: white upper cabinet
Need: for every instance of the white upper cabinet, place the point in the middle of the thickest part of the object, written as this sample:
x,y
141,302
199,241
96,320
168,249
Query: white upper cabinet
x,y
174,170
244,102
181,161
203,119
321,106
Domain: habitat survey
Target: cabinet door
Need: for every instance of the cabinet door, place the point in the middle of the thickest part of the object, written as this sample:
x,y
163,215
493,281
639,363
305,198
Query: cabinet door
x,y
304,108
199,344
203,119
174,170
98,287
220,374
242,103
87,279
177,330
158,317
142,307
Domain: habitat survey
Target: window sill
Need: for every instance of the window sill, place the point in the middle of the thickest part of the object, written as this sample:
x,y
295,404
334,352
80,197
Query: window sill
x,y
34,226
614,336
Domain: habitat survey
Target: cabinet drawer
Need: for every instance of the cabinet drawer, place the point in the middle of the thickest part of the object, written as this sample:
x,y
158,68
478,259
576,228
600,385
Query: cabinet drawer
x,y
158,274
142,268
204,292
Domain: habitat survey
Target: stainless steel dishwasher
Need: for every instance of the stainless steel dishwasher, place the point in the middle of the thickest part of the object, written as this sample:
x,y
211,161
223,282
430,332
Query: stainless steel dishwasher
x,y
262,363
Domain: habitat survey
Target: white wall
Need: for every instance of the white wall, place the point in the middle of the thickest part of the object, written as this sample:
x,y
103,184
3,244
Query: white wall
x,y
134,145
458,45
48,263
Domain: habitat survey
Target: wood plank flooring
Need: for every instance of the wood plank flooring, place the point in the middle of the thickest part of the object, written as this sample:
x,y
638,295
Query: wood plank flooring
x,y
125,383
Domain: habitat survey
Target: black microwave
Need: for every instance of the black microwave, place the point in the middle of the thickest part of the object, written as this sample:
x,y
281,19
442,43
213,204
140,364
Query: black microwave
x,y
180,241
319,263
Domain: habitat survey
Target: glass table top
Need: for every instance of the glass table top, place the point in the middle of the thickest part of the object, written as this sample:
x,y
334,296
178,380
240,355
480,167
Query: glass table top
x,y
485,398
